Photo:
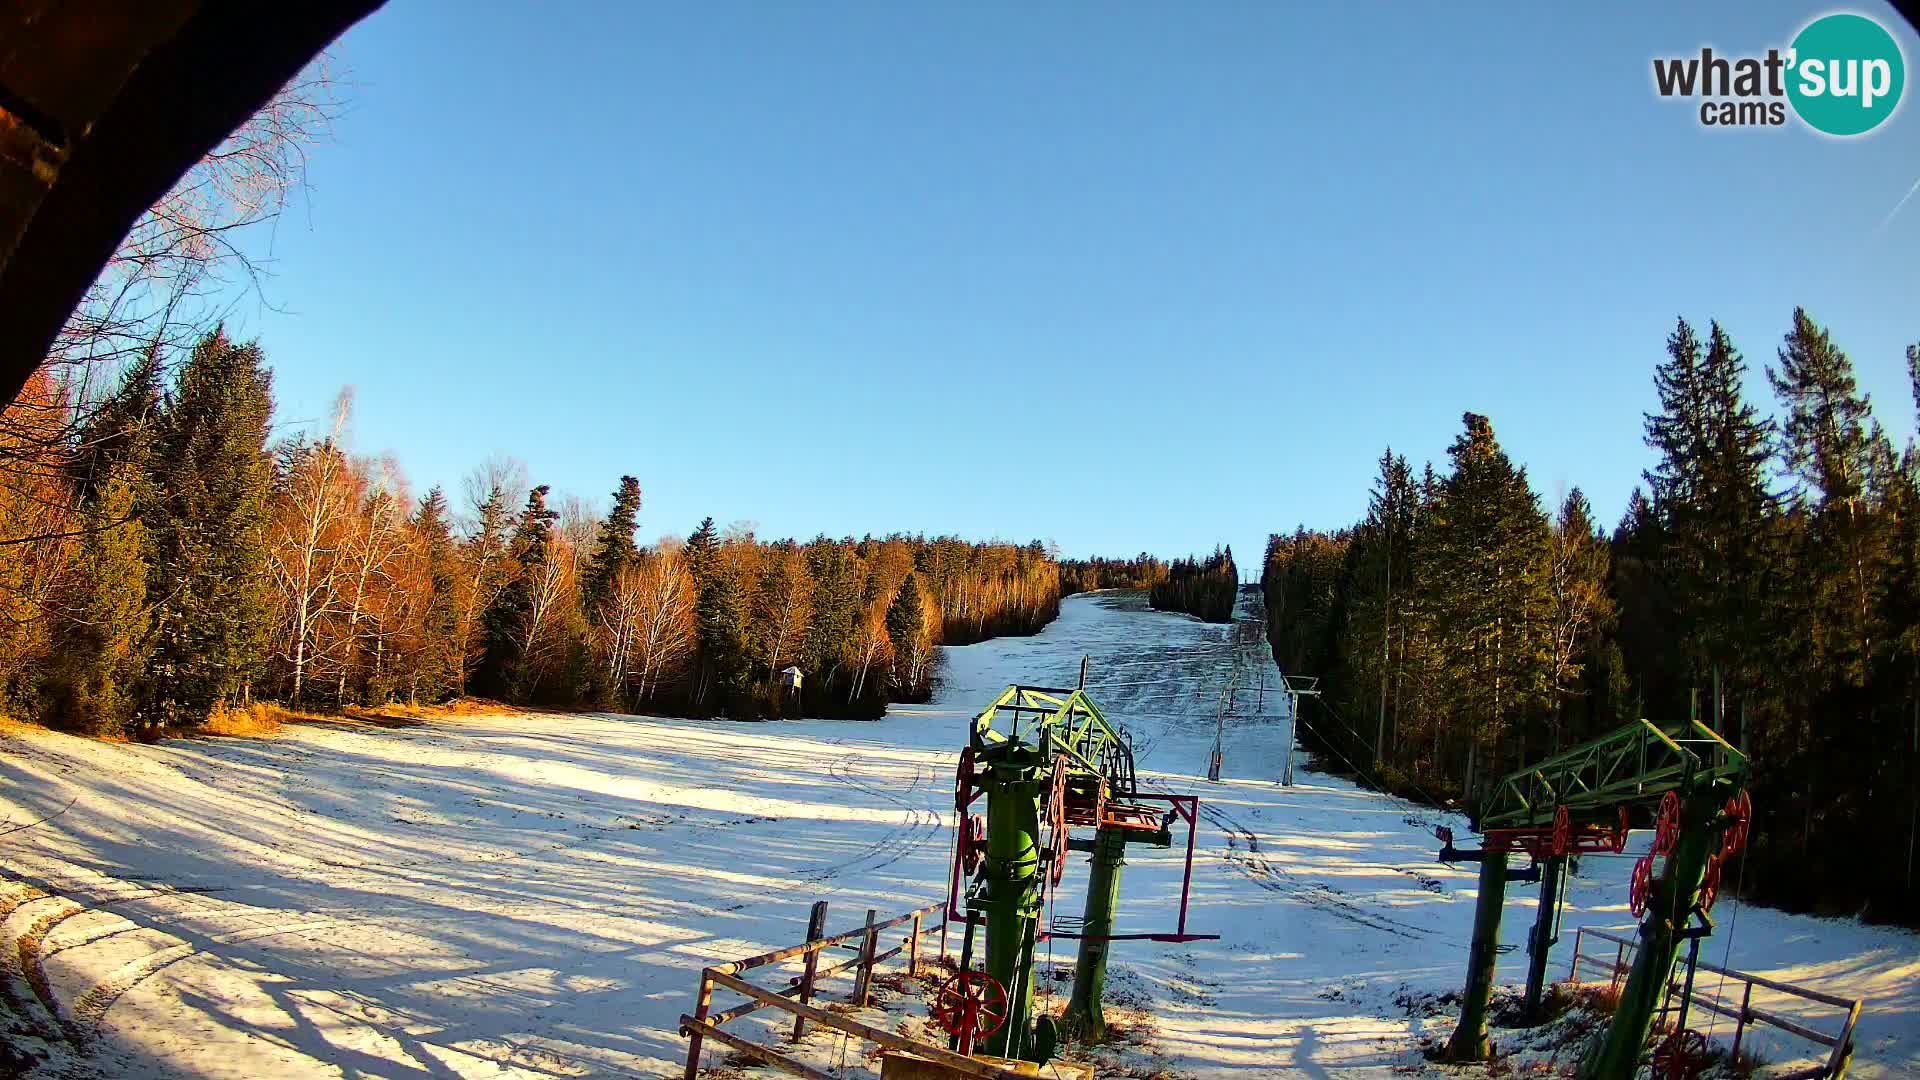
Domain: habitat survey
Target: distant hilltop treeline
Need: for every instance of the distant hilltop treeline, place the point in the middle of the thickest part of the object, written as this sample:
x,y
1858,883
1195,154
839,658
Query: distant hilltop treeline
x,y
1765,578
1205,587
163,559
1202,587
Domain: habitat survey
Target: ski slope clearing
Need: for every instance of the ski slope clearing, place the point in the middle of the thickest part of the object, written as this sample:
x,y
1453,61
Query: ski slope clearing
x,y
533,896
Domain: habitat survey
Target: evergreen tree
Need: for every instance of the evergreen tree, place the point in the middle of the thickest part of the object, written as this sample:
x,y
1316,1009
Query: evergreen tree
x,y
503,671
101,642
702,556
723,618
785,610
906,619
1380,591
1840,464
486,556
443,663
1580,572
1710,494
615,550
209,566
838,581
614,553
1491,595
118,431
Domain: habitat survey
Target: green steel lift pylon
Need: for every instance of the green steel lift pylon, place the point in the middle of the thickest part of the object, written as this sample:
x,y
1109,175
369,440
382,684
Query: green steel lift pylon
x,y
1581,800
1046,760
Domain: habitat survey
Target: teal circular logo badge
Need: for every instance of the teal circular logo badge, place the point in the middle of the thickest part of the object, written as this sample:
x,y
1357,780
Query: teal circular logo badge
x,y
1845,74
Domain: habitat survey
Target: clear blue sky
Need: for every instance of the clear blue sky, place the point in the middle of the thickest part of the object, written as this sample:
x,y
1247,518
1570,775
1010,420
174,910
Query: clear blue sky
x,y
1125,276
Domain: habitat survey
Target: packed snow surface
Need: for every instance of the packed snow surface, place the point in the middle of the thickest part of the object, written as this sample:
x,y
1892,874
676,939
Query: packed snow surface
x,y
533,896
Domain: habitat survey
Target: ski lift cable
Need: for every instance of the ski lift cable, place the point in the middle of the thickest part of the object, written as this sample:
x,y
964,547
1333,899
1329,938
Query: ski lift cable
x,y
1413,811
1726,958
1437,804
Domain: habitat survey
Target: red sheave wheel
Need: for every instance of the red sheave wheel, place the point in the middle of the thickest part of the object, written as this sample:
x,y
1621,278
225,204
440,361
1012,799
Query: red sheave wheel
x,y
1056,811
1640,886
963,781
970,1004
1620,835
1666,827
1710,885
973,843
1680,1056
1562,831
1739,821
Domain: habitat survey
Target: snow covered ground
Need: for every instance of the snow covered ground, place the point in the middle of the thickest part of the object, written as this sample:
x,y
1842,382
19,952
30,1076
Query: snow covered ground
x,y
533,896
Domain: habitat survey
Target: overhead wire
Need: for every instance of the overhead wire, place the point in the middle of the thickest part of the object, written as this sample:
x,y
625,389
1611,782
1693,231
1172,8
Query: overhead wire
x,y
1435,802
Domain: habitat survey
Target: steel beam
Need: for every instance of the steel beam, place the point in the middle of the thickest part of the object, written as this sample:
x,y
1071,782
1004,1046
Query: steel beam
x,y
1469,1042
1085,1017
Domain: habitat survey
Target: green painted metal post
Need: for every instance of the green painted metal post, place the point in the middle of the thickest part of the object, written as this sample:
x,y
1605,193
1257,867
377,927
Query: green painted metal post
x,y
1013,896
1667,913
1540,942
1084,1017
1469,1042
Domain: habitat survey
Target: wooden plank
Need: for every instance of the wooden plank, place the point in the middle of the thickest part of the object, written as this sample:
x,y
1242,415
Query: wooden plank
x,y
1843,1046
913,948
1598,964
1821,996
855,962
885,1038
702,1001
863,978
753,1049
739,1011
816,927
1788,988
735,967
1794,1026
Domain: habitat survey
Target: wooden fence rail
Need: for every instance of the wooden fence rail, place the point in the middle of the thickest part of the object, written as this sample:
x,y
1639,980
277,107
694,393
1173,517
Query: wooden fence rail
x,y
796,998
1839,1044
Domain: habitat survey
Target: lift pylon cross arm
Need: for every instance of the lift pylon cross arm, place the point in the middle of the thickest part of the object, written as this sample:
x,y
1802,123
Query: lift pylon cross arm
x,y
1639,762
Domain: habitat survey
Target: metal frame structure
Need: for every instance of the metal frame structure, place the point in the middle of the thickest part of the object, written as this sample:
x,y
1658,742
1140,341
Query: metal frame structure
x,y
1046,760
1638,761
1583,799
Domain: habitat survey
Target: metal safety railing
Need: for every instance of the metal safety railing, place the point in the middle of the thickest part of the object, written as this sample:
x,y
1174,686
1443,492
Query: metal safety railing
x,y
796,998
1839,1044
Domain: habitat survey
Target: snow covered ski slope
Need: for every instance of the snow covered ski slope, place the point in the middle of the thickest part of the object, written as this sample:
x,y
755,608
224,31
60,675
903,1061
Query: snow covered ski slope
x,y
532,896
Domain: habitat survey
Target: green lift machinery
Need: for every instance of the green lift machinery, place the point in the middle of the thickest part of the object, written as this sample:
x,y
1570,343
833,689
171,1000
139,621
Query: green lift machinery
x,y
1044,761
1692,785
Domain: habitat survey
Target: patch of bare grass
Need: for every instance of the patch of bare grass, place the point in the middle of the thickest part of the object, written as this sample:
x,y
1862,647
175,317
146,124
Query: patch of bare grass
x,y
259,720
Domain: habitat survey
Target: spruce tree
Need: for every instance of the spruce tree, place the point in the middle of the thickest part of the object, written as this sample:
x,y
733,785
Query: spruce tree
x,y
211,477
834,568
724,613
485,554
1719,551
1583,605
615,550
702,555
101,641
1840,464
118,431
442,665
502,673
1491,593
905,620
